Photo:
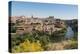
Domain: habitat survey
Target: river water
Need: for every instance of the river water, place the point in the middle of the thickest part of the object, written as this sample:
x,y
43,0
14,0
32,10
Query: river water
x,y
69,33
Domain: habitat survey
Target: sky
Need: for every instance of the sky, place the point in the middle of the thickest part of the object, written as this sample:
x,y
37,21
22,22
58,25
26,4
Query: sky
x,y
42,10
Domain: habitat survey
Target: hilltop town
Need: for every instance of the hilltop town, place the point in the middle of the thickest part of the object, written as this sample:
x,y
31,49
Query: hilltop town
x,y
40,34
28,24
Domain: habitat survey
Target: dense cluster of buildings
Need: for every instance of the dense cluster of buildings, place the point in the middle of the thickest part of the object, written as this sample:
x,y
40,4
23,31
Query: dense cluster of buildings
x,y
29,24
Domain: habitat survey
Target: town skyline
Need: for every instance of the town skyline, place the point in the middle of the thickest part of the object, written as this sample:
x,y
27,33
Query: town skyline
x,y
22,16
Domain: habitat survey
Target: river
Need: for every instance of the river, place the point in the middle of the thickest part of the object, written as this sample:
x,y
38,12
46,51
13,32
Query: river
x,y
69,33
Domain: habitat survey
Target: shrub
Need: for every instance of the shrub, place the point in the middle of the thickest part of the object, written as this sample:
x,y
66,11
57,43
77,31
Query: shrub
x,y
28,46
58,35
13,29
